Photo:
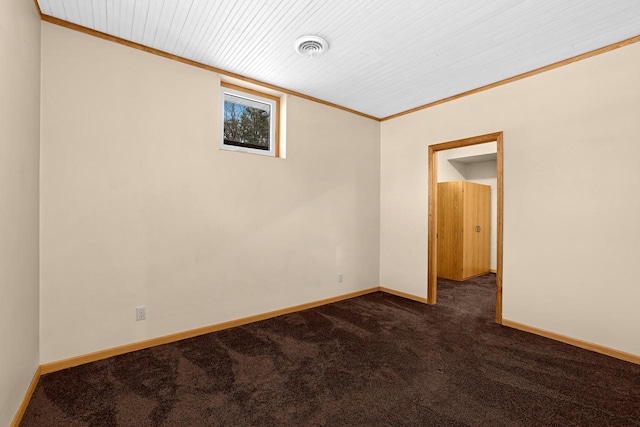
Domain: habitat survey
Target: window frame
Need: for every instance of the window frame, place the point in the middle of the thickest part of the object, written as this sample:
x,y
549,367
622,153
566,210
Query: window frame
x,y
274,119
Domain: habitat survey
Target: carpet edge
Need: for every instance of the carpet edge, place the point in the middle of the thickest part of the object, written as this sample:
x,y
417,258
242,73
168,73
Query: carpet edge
x,y
607,351
70,362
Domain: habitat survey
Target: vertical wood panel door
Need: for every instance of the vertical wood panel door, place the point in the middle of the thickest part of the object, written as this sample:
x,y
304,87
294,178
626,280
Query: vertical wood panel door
x,y
477,224
449,235
484,236
469,223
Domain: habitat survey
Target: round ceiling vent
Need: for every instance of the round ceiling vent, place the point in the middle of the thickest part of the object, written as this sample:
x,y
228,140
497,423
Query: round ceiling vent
x,y
311,46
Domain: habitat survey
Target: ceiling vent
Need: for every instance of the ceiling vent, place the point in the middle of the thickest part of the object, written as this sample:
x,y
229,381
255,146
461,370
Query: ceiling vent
x,y
311,46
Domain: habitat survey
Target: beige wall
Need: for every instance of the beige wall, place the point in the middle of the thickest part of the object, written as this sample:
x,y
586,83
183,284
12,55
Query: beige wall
x,y
139,206
19,163
571,205
450,170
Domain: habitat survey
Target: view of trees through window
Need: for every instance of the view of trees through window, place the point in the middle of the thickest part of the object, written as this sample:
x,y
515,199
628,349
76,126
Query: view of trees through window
x,y
246,123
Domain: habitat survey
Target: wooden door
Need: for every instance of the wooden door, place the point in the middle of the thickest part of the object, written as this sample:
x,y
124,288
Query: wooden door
x,y
476,229
484,237
449,234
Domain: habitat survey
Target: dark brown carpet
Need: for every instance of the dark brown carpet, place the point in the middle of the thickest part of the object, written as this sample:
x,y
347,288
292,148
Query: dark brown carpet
x,y
376,360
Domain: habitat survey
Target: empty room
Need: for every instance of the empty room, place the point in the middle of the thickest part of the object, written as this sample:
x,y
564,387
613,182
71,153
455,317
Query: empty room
x,y
229,213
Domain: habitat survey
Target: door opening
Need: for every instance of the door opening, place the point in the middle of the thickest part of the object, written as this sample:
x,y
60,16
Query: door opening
x,y
433,220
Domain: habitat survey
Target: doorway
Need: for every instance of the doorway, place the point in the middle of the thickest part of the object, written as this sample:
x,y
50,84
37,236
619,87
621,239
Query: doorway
x,y
432,276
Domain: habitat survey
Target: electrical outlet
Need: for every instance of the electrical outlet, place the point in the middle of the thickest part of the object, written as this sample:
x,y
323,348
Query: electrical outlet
x,y
340,278
141,312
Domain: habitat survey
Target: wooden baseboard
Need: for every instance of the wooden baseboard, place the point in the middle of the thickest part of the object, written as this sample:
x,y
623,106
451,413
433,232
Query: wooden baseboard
x,y
403,295
493,271
140,345
103,354
633,358
27,397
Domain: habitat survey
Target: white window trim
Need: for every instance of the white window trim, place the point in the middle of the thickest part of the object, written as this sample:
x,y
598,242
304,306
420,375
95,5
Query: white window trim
x,y
226,88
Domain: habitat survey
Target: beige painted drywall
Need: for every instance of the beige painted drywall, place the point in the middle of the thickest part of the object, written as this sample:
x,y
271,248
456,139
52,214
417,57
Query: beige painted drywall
x,y
19,163
571,185
448,171
140,207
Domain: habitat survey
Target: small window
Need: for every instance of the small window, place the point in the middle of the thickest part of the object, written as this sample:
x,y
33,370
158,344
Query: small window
x,y
249,121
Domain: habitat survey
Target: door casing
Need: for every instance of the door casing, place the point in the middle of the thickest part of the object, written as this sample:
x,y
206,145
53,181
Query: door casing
x,y
432,265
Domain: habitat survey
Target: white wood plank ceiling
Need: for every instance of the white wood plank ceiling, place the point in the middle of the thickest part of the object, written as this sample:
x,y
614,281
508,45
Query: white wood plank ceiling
x,y
384,56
